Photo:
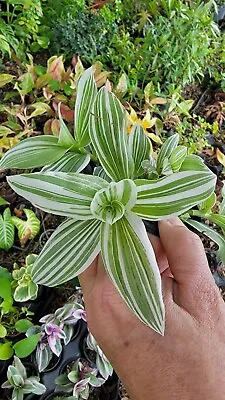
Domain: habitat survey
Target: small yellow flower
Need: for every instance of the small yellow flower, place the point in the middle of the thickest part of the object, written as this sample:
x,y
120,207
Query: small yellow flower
x,y
147,122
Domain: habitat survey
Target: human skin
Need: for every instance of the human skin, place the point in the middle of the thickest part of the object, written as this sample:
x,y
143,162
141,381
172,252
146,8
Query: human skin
x,y
188,363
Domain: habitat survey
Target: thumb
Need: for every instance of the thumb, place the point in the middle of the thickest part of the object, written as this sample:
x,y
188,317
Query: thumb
x,y
188,263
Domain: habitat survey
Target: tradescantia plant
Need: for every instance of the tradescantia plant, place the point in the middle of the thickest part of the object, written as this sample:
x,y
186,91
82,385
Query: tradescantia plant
x,y
105,212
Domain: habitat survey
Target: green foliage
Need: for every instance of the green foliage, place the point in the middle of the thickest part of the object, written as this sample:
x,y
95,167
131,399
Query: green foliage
x,y
105,215
20,383
24,288
26,229
7,230
19,28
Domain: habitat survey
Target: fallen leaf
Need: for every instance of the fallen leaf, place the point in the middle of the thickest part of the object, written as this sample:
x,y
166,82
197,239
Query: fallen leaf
x,y
220,157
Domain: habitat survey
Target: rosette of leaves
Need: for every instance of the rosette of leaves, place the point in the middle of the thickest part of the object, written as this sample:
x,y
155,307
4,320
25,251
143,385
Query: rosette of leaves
x,y
79,379
66,152
21,384
55,329
7,230
25,288
107,216
102,363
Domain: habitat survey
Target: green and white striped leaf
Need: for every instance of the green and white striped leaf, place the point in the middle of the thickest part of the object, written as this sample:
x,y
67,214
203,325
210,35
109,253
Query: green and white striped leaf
x,y
68,252
60,193
193,163
166,150
172,195
65,137
109,137
70,162
33,153
140,147
86,93
109,205
99,171
211,234
7,230
177,158
131,264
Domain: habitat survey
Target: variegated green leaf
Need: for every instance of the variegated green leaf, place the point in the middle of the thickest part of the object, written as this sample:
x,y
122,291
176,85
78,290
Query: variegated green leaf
x,y
70,162
212,234
59,193
173,195
177,158
68,252
7,230
65,137
166,151
140,147
99,171
193,163
33,152
27,229
130,263
109,137
110,204
86,93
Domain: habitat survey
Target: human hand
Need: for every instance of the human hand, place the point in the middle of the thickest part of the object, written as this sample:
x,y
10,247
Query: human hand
x,y
189,361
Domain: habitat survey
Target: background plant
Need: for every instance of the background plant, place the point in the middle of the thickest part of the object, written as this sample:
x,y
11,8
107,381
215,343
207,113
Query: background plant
x,y
20,382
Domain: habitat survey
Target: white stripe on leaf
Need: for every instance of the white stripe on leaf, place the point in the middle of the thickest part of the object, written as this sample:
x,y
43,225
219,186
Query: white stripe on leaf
x,y
68,252
131,264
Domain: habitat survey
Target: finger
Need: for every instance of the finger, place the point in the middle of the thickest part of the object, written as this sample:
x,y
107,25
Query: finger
x,y
188,264
159,253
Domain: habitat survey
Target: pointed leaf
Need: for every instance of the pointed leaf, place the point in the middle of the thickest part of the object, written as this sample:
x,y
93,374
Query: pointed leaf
x,y
86,93
109,137
58,192
70,162
65,137
212,234
7,230
3,201
166,150
131,264
33,152
140,148
177,158
172,195
68,252
43,357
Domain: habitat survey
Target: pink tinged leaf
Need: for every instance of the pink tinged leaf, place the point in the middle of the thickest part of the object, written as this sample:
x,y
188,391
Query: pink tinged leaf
x,y
56,67
80,386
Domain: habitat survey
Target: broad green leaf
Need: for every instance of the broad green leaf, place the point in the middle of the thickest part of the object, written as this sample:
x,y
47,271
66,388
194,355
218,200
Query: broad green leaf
x,y
109,137
193,163
65,137
68,252
217,219
27,229
70,162
5,78
139,147
33,152
26,346
59,193
173,195
86,94
5,289
3,331
7,230
39,109
110,204
166,151
212,234
3,201
6,351
22,325
27,84
131,264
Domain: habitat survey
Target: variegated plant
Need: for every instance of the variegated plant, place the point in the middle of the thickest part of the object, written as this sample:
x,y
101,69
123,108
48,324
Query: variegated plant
x,y
105,210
